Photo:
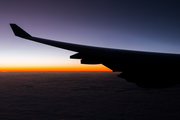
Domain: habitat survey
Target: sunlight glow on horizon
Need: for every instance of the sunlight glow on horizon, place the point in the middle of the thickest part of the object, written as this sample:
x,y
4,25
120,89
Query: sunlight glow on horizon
x,y
53,68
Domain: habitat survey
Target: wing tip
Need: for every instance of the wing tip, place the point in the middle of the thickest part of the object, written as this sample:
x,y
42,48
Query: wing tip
x,y
19,31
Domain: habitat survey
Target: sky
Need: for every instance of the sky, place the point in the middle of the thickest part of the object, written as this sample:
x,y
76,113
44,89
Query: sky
x,y
122,24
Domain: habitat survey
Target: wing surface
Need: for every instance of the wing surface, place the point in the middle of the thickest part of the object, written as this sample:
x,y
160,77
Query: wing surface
x,y
132,64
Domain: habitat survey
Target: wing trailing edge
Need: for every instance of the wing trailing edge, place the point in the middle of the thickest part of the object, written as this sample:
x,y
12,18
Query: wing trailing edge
x,y
69,46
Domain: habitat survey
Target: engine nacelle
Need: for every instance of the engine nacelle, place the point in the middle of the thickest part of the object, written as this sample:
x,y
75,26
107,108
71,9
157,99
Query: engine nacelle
x,y
90,61
85,58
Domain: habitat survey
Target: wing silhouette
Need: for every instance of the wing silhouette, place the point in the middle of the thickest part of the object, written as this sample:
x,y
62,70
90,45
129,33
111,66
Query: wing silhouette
x,y
146,69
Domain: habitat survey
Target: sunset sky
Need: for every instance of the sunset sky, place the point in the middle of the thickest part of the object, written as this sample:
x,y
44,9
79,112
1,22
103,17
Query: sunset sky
x,y
123,24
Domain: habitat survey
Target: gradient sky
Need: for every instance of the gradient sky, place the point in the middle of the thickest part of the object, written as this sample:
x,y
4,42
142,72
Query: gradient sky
x,y
142,25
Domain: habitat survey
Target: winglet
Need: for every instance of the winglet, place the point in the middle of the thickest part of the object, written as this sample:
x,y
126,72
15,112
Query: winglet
x,y
19,32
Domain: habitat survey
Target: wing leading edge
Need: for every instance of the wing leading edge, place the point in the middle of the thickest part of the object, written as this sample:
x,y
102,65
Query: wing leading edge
x,y
146,69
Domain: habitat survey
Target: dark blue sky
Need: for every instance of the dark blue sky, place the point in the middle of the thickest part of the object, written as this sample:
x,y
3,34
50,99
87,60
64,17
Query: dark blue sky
x,y
143,25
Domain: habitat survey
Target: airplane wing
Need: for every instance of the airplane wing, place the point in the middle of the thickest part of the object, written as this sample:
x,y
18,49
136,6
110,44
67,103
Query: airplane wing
x,y
146,69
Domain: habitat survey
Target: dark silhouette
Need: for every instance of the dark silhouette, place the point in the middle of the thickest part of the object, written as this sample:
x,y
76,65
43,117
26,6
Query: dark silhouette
x,y
146,69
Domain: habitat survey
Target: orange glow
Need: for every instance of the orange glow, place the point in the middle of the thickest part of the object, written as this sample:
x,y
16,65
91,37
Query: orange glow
x,y
54,68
